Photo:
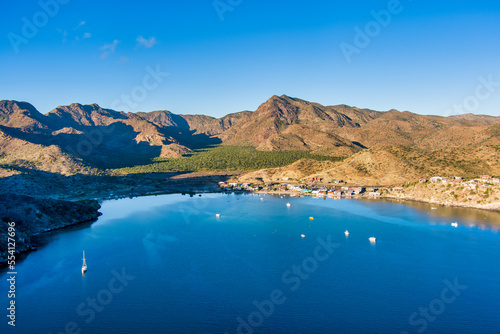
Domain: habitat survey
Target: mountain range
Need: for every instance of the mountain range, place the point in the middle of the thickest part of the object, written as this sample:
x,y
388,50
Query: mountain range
x,y
79,138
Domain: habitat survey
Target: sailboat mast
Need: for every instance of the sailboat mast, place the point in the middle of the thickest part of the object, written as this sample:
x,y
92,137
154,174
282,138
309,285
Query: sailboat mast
x,y
84,265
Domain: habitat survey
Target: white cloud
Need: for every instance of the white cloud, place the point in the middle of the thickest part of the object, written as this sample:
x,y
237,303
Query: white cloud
x,y
80,24
123,60
109,49
147,43
87,35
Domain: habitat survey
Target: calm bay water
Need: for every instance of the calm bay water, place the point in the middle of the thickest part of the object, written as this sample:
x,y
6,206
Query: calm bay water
x,y
167,264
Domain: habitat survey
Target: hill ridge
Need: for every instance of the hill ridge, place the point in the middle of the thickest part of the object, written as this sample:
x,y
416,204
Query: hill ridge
x,y
281,123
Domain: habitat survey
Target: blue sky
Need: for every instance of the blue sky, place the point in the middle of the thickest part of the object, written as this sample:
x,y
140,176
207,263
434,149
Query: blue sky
x,y
433,57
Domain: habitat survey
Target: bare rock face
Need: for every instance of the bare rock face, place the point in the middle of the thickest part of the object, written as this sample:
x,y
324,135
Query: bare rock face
x,y
67,131
174,151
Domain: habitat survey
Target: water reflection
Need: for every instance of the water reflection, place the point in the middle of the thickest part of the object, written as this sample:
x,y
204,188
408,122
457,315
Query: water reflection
x,y
482,219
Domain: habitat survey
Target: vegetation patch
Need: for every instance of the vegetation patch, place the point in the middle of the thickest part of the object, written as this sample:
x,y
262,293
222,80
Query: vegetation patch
x,y
225,158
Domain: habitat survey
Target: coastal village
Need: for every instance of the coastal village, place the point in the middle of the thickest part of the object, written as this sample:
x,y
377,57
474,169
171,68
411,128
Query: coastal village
x,y
479,192
310,189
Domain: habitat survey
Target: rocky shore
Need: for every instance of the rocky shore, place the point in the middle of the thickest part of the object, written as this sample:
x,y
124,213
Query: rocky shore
x,y
450,194
33,216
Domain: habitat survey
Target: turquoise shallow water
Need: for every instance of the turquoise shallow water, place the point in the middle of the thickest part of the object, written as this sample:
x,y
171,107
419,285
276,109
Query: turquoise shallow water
x,y
167,264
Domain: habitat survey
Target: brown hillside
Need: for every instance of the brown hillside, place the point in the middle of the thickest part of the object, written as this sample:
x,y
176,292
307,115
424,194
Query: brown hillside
x,y
401,145
285,123
23,154
24,116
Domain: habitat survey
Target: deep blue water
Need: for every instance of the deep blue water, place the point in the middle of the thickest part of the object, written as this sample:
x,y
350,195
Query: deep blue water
x,y
167,264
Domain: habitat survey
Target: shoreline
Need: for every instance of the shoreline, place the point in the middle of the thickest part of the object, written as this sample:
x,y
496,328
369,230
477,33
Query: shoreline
x,y
162,184
31,217
383,196
412,199
192,191
36,240
189,183
72,204
207,188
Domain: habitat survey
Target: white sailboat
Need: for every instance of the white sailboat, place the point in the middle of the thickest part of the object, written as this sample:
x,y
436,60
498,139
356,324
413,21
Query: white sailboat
x,y
84,265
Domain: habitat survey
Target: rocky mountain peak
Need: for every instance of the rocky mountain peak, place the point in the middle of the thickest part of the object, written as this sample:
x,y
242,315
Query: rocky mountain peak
x,y
22,115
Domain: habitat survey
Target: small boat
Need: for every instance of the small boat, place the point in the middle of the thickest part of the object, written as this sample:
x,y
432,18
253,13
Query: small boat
x,y
455,224
217,215
303,235
372,239
288,204
311,218
346,233
84,265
